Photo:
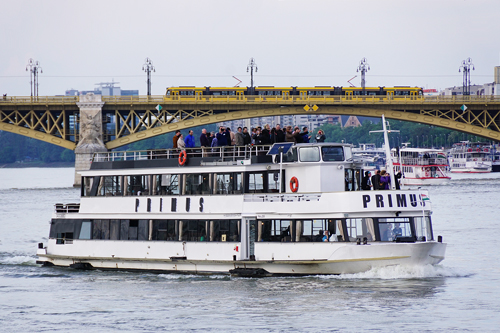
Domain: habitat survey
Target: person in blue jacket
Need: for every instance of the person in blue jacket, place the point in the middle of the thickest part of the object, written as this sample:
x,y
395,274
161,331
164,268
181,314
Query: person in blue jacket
x,y
190,142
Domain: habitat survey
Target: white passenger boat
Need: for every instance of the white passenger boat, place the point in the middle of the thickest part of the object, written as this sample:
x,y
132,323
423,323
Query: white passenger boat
x,y
374,158
495,160
238,210
421,166
469,157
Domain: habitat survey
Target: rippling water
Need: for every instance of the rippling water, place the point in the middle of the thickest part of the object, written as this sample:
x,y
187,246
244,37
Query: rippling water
x,y
463,293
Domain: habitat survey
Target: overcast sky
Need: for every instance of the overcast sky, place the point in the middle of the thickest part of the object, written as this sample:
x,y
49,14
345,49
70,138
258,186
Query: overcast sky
x,y
205,43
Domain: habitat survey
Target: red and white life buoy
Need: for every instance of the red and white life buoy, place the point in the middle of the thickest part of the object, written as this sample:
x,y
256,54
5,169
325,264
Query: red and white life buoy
x,y
294,184
182,157
486,150
469,150
478,150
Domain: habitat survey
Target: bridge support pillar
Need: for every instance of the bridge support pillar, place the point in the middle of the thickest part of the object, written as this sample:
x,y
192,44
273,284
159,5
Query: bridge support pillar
x,y
91,133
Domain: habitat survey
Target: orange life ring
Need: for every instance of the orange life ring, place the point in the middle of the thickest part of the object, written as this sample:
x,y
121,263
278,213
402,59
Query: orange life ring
x,y
294,184
182,157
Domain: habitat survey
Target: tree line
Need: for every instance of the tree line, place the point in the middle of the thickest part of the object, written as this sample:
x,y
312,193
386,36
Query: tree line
x,y
17,148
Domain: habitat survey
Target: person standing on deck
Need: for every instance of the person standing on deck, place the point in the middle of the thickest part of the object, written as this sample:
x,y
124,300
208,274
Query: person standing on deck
x,y
190,142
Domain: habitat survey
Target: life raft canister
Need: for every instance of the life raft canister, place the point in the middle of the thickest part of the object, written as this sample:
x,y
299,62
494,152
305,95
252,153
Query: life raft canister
x,y
182,157
294,184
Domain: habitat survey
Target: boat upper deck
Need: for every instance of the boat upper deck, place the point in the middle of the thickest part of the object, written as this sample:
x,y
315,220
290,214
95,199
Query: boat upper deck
x,y
221,156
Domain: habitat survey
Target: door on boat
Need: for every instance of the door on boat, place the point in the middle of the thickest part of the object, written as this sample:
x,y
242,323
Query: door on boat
x,y
248,234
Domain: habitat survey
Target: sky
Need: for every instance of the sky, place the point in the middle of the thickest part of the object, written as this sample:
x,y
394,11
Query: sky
x,y
206,43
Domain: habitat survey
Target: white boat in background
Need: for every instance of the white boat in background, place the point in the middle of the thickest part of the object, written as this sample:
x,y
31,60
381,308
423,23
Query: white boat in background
x,y
421,166
495,160
470,157
373,157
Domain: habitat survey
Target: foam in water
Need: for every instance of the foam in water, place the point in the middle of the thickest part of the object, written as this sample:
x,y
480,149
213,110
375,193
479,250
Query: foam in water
x,y
403,272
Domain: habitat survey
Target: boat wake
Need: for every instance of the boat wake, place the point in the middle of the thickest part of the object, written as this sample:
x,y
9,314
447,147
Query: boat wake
x,y
403,272
7,258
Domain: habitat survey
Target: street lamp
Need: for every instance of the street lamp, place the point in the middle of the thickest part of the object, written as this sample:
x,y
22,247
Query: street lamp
x,y
465,68
363,68
33,66
148,68
251,65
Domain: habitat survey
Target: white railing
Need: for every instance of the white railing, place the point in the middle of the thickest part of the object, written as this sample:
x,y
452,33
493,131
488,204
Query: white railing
x,y
223,153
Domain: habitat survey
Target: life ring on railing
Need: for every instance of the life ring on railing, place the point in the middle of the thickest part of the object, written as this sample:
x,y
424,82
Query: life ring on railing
x,y
294,184
469,150
478,150
183,157
475,159
486,150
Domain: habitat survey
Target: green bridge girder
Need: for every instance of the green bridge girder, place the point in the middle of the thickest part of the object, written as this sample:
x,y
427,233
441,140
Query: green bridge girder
x,y
55,119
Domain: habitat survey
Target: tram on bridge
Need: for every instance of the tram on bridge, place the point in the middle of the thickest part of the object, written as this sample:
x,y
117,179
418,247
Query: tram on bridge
x,y
318,91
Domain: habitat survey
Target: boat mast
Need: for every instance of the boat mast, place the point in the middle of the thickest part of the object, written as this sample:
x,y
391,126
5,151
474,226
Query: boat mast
x,y
388,159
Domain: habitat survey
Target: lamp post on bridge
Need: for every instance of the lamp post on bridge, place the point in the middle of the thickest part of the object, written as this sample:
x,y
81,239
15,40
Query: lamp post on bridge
x,y
363,68
251,65
33,66
148,68
465,68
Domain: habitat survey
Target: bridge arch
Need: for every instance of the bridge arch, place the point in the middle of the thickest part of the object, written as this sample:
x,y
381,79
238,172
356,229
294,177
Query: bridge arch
x,y
283,111
37,135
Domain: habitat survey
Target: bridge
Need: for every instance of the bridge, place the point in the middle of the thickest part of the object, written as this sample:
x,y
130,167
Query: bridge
x,y
94,123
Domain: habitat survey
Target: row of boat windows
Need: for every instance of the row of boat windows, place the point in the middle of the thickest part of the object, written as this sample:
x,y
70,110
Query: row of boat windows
x,y
319,230
183,184
471,155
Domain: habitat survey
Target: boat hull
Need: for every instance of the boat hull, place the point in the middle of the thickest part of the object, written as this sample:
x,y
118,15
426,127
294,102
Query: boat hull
x,y
425,181
274,258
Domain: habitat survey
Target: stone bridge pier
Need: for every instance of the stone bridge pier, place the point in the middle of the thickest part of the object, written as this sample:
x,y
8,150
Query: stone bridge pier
x,y
91,133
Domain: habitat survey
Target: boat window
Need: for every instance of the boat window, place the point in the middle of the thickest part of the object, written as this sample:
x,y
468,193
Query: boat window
x,y
85,230
360,228
100,229
197,184
110,186
273,181
228,183
309,154
224,231
114,229
332,154
256,182
391,228
195,230
137,185
87,186
423,228
164,230
290,156
166,184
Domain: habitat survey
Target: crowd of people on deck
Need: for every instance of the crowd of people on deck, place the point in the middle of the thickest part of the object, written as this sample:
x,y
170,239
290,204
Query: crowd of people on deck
x,y
381,180
256,136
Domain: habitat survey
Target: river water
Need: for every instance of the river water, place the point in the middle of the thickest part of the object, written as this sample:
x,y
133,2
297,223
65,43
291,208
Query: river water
x,y
462,293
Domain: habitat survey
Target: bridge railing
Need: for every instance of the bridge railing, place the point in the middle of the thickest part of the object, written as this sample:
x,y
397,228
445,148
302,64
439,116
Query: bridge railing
x,y
39,99
222,154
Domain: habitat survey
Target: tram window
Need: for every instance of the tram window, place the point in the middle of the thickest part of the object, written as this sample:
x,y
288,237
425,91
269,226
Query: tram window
x,y
256,182
360,228
309,154
391,228
423,228
332,154
85,230
197,184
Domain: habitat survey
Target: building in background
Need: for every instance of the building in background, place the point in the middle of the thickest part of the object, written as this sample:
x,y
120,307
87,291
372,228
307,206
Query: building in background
x,y
104,89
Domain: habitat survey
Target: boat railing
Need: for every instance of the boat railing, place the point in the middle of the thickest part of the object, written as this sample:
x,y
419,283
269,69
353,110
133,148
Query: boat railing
x,y
222,153
424,161
67,208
